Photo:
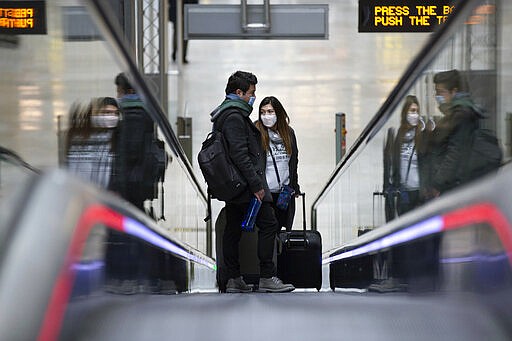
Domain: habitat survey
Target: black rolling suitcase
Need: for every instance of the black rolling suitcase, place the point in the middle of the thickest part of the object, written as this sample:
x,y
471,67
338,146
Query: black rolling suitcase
x,y
299,257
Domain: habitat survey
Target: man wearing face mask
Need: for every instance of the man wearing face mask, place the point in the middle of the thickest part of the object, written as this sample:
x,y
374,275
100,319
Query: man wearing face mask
x,y
450,139
130,263
245,150
406,163
136,131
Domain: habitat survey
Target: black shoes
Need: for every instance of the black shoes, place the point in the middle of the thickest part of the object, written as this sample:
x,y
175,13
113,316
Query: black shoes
x,y
133,286
272,284
185,61
236,285
388,285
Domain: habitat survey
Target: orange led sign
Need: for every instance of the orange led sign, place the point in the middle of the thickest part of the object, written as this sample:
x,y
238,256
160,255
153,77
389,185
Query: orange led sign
x,y
403,16
23,17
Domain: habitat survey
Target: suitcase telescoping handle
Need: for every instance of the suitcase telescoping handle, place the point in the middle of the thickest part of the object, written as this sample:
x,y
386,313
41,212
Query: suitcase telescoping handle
x,y
304,240
303,195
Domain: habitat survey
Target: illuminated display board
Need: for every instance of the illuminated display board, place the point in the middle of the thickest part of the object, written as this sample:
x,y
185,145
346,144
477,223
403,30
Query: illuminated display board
x,y
23,17
403,15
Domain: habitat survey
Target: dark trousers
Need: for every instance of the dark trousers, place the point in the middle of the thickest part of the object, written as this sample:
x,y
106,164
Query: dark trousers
x,y
268,227
128,257
284,217
175,44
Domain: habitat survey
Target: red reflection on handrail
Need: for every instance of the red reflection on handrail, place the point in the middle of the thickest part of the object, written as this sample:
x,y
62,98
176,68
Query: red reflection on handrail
x,y
92,215
482,213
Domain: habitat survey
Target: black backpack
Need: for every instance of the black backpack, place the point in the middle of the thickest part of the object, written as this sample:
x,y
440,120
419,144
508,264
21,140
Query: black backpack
x,y
143,159
222,177
483,156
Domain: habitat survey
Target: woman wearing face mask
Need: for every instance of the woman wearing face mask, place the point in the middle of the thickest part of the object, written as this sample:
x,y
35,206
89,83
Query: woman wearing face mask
x,y
91,140
280,144
406,163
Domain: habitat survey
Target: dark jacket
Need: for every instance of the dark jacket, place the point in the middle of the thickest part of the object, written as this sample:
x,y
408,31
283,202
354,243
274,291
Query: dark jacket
x,y
245,149
294,163
136,129
173,8
450,140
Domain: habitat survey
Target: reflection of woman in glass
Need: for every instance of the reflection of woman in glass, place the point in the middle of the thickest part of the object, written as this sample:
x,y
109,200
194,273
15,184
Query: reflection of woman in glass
x,y
91,140
406,165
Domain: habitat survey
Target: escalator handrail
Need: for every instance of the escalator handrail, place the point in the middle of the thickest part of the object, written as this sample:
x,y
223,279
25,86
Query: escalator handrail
x,y
112,29
12,157
429,51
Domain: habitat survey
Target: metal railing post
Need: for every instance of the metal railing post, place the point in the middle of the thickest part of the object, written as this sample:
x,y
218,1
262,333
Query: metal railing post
x,y
246,26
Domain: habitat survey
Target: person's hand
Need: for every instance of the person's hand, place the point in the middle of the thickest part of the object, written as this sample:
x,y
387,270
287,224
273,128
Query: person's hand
x,y
435,193
431,193
260,194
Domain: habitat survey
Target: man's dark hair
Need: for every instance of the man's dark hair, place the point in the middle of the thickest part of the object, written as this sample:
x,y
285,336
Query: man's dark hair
x,y
240,80
123,82
450,79
108,101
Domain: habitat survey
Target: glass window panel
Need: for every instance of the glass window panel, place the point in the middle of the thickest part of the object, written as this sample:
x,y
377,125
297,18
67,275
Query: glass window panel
x,y
373,187
46,77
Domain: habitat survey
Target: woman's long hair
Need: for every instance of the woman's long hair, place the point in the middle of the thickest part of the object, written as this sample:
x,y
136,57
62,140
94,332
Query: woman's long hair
x,y
79,122
80,118
283,127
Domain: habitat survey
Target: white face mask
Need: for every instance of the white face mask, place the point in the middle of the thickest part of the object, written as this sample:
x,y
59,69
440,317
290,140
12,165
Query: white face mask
x,y
268,120
440,99
104,121
413,118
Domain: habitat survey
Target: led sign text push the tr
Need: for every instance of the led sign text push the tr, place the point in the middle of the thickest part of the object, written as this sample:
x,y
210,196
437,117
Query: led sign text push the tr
x,y
402,16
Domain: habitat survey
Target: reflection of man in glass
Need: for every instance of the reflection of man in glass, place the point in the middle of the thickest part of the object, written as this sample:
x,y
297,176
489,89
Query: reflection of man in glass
x,y
453,133
137,128
173,18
